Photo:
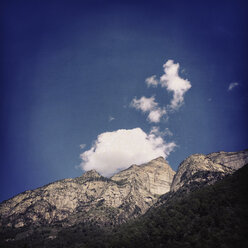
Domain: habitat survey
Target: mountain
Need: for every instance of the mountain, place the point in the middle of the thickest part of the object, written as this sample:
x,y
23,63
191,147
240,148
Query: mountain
x,y
198,169
90,197
213,216
72,212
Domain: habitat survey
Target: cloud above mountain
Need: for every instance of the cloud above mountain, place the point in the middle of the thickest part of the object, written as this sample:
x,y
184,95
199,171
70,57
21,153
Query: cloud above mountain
x,y
173,83
156,114
144,104
117,150
149,105
152,81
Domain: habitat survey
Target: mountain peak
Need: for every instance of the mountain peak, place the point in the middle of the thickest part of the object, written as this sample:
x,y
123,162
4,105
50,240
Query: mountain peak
x,y
91,174
156,176
206,169
157,162
159,159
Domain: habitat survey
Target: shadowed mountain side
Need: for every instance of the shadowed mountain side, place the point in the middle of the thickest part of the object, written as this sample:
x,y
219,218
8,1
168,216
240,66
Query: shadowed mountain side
x,y
213,216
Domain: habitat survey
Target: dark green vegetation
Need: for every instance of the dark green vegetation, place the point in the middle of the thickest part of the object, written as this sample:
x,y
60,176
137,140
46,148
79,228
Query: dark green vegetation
x,y
213,216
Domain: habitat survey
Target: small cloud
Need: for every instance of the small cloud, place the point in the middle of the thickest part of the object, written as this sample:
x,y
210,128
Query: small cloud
x,y
111,118
167,132
156,130
152,81
232,86
149,105
117,150
210,99
174,83
144,104
156,114
82,146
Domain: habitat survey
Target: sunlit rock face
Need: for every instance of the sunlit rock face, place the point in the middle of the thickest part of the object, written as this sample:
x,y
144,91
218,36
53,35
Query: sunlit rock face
x,y
199,169
154,177
234,160
125,195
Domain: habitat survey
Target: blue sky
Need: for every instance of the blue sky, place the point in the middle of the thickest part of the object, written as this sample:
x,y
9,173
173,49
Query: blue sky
x,y
67,67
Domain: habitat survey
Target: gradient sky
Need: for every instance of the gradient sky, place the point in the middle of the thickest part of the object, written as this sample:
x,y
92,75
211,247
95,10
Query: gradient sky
x,y
67,67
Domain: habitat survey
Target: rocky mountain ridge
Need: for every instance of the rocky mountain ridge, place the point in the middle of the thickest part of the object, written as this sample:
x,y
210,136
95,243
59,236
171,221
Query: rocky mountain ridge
x,y
92,198
199,169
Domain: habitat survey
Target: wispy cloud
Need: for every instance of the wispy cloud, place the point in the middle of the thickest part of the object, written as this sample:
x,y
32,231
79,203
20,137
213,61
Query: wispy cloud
x,y
149,105
232,86
82,146
114,151
111,118
165,132
152,81
144,104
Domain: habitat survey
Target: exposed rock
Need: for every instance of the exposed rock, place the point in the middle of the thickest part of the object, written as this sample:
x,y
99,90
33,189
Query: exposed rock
x,y
90,197
107,201
90,175
234,160
154,177
199,169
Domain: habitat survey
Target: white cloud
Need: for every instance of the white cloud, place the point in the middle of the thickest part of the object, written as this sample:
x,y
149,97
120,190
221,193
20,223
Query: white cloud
x,y
144,104
156,114
149,105
114,151
152,81
232,85
174,83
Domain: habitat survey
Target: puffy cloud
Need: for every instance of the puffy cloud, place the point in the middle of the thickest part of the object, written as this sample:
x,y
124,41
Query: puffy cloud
x,y
152,81
144,104
117,150
174,83
232,85
149,105
156,114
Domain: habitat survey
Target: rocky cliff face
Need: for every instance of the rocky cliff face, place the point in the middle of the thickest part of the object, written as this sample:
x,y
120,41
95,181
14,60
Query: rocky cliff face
x,y
90,197
92,201
199,169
